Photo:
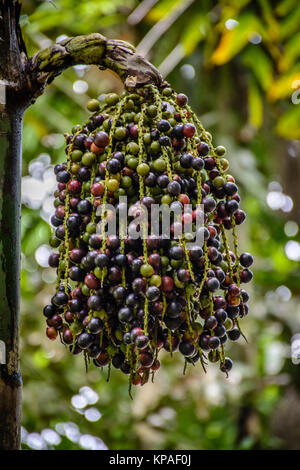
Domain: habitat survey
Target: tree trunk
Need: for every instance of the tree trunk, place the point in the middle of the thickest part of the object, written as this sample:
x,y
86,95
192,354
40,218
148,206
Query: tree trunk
x,y
11,115
10,181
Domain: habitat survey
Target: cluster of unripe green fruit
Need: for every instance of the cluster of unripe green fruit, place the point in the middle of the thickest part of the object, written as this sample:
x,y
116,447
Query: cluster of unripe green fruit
x,y
121,300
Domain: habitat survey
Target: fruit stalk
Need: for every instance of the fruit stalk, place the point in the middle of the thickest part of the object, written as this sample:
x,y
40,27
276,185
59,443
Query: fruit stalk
x,y
115,55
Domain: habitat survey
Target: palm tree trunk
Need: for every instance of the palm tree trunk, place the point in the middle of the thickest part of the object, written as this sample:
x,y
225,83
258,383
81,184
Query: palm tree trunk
x,y
11,115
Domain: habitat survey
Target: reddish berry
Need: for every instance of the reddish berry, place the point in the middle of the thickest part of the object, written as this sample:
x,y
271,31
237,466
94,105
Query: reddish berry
x,y
184,199
167,284
189,130
101,139
51,333
91,281
97,189
74,187
181,99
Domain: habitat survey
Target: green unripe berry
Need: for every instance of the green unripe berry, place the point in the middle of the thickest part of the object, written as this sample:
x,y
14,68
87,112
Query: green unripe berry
x,y
219,182
224,164
152,110
223,265
93,105
164,261
76,155
131,117
203,176
166,199
106,124
56,202
132,148
127,156
98,272
143,169
76,129
85,290
75,167
220,150
120,133
111,99
177,283
126,182
228,324
86,237
127,117
87,186
208,136
113,185
155,147
155,280
120,192
88,159
129,106
54,242
167,91
147,138
91,227
159,164
176,263
102,157
147,270
132,163
156,191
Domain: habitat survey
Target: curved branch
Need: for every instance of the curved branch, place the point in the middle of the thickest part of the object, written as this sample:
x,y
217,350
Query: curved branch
x,y
116,55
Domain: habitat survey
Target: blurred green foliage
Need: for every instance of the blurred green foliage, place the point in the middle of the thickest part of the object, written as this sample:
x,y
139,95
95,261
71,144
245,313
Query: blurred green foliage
x,y
239,63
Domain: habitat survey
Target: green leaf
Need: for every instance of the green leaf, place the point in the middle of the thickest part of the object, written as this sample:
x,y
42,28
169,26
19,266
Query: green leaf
x,y
290,24
195,33
255,106
257,60
288,125
291,53
232,42
162,9
285,85
285,7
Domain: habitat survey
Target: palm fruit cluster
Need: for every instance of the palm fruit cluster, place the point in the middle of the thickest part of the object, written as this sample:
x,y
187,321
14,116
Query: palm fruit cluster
x,y
119,301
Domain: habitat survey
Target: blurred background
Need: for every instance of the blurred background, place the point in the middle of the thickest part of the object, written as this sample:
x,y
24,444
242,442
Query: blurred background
x,y
239,63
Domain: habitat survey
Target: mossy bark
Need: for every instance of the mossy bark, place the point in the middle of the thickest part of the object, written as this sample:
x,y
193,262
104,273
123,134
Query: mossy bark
x,y
12,52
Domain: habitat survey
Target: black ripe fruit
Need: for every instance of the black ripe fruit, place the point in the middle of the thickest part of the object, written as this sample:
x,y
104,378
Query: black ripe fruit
x,y
121,298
